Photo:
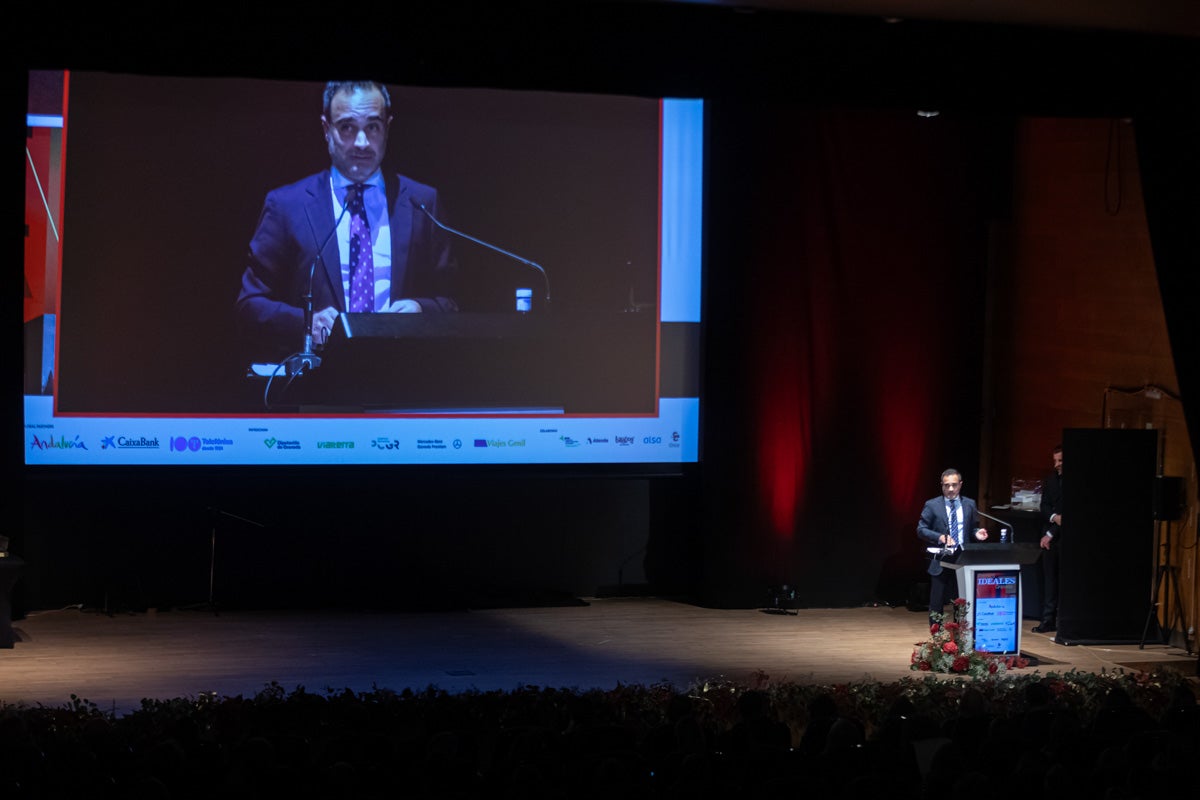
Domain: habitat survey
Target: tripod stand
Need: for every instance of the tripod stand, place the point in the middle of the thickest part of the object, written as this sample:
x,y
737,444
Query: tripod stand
x,y
1170,573
217,514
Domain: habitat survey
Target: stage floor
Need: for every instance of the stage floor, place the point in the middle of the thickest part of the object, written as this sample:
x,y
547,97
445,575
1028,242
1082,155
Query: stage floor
x,y
116,661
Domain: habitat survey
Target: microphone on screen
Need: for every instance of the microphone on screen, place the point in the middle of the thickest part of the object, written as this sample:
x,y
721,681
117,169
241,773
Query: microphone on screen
x,y
545,278
307,360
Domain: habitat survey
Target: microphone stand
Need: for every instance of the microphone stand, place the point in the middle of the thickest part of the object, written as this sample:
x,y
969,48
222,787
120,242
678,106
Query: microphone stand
x,y
217,514
1012,529
545,279
307,360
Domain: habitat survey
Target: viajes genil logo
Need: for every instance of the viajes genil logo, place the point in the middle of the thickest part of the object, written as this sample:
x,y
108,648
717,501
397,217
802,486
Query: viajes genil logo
x,y
56,443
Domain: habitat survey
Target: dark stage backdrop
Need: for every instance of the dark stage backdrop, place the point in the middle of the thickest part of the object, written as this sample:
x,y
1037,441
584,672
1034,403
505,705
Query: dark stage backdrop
x,y
839,378
846,308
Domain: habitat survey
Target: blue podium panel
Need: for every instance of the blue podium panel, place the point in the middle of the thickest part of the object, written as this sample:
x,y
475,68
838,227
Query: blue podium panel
x,y
989,577
996,610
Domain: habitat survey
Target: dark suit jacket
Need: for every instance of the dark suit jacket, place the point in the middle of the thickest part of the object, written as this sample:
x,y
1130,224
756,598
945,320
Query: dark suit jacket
x,y
934,523
295,220
1051,503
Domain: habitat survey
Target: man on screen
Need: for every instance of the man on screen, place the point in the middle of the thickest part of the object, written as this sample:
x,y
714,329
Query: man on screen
x,y
945,522
383,256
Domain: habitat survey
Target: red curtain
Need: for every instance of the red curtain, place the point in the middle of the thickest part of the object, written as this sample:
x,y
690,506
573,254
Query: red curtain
x,y
855,259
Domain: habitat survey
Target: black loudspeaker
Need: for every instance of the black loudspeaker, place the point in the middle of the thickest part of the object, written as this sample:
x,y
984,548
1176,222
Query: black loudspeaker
x,y
1168,498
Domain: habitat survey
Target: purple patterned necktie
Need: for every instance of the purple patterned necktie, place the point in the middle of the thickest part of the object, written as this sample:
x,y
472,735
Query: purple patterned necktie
x,y
362,260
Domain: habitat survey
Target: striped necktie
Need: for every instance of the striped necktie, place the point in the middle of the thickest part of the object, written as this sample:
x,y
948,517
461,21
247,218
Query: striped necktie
x,y
955,539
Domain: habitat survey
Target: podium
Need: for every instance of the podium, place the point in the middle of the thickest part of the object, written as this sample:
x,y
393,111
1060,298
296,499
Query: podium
x,y
577,363
989,577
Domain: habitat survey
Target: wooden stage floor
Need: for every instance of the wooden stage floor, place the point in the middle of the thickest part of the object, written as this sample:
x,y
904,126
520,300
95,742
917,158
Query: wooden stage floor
x,y
116,661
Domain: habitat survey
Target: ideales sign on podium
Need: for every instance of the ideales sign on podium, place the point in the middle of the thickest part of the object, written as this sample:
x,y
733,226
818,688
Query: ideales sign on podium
x,y
989,577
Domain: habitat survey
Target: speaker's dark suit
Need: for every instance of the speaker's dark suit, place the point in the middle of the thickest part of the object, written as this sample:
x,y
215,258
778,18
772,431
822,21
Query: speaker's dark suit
x,y
943,583
1051,505
295,220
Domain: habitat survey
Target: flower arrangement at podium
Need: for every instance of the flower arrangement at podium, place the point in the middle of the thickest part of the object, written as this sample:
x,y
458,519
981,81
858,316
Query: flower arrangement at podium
x,y
950,648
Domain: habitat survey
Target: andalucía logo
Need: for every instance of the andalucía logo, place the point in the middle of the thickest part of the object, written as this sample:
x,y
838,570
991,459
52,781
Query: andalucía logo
x,y
61,443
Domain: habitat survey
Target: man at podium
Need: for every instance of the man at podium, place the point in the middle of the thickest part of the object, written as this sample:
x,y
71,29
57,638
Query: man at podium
x,y
945,522
352,234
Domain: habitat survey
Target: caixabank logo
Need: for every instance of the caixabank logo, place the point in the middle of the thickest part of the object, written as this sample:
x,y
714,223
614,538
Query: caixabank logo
x,y
129,443
56,443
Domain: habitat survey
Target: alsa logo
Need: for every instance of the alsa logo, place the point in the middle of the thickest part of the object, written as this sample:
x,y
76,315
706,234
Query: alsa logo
x,y
59,443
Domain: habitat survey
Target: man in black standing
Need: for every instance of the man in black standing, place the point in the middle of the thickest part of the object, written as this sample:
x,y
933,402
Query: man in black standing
x,y
1051,543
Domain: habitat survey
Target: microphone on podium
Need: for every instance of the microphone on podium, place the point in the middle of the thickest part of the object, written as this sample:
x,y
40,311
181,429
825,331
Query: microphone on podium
x,y
1007,526
545,278
307,360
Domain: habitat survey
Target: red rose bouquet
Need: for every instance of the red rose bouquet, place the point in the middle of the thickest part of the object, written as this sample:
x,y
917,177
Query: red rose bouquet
x,y
950,648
